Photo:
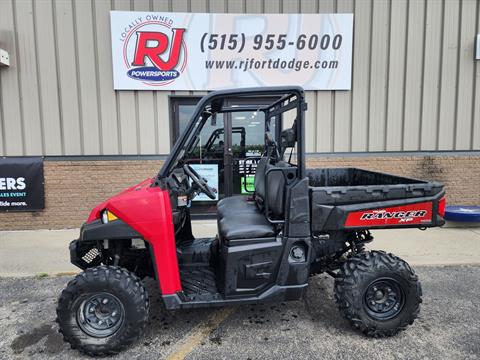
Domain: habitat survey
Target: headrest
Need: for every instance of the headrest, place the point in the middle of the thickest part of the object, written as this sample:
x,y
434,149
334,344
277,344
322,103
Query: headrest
x,y
288,138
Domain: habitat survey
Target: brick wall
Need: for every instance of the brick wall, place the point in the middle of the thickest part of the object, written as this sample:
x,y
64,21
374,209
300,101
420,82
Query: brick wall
x,y
73,188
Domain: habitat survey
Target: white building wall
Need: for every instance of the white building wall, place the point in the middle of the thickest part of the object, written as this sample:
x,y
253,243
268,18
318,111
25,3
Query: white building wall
x,y
415,81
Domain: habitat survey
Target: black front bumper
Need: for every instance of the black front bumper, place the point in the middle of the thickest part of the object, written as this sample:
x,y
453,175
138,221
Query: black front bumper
x,y
84,254
85,251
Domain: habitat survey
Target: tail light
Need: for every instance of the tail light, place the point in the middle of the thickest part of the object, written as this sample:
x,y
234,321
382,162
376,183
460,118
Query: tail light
x,y
441,207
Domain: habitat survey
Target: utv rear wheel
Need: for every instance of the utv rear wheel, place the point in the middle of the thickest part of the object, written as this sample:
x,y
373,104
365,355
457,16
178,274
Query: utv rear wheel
x,y
102,310
378,293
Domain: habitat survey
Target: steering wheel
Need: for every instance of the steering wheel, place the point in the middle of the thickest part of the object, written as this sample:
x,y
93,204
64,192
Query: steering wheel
x,y
200,181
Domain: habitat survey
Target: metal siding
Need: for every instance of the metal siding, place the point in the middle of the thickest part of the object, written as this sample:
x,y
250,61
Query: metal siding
x,y
310,119
199,6
180,5
219,6
431,88
87,84
29,101
323,112
448,89
127,105
107,100
47,78
413,76
252,6
343,101
378,76
12,116
291,6
2,125
361,74
272,6
396,75
308,6
415,84
465,75
310,122
476,91
325,101
67,77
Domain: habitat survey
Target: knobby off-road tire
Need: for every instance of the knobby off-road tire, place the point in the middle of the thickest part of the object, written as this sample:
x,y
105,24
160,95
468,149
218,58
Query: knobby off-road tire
x,y
378,293
110,295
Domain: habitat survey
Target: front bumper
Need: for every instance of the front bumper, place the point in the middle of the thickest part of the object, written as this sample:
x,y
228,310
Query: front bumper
x,y
85,251
84,254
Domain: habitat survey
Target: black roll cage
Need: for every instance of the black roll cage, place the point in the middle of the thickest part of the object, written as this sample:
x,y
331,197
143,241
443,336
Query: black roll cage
x,y
291,97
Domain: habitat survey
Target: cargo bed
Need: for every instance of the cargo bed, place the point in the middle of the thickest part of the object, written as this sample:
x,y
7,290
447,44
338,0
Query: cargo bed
x,y
362,199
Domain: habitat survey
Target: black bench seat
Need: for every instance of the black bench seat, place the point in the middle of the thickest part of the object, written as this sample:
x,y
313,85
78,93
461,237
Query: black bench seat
x,y
240,220
244,225
240,203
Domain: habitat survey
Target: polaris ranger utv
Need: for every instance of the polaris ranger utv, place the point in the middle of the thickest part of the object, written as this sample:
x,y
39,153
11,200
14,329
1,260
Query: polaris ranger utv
x,y
299,222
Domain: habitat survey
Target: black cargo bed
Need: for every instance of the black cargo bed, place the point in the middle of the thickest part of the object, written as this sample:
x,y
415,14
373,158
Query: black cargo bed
x,y
339,186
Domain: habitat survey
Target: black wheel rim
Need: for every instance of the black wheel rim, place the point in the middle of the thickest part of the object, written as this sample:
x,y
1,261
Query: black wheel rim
x,y
384,299
100,315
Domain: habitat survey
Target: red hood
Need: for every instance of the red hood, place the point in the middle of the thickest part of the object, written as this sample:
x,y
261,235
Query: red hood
x,y
95,213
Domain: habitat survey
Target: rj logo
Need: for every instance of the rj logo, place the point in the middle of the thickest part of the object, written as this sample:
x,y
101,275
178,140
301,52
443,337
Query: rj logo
x,y
152,45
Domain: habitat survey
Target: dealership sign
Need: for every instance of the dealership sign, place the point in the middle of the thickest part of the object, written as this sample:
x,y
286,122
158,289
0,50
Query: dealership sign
x,y
21,184
184,51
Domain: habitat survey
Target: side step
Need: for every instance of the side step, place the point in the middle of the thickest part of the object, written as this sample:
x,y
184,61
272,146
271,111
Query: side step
x,y
275,293
198,283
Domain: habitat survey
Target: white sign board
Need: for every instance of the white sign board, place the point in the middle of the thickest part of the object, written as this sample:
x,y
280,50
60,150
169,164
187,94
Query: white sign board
x,y
210,173
184,51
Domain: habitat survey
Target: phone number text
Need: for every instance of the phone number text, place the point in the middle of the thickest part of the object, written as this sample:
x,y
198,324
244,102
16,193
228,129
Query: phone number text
x,y
237,42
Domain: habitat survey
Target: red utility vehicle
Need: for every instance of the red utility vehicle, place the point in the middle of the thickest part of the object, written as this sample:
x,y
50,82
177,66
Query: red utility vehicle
x,y
299,222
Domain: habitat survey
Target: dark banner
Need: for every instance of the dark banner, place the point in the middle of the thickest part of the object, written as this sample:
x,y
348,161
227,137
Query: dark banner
x,y
21,184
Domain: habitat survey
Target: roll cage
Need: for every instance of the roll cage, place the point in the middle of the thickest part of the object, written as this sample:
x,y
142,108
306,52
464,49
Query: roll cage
x,y
289,97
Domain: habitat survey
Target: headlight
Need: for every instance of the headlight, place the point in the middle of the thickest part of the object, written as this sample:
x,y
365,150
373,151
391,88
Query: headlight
x,y
108,216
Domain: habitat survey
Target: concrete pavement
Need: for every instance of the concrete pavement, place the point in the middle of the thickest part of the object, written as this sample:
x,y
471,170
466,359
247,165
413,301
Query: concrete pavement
x,y
27,253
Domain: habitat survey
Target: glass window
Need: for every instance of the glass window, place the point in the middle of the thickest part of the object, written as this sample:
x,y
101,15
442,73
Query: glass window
x,y
248,133
210,143
185,113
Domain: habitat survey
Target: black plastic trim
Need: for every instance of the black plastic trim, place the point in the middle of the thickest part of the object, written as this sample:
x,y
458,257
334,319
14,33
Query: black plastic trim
x,y
276,292
113,230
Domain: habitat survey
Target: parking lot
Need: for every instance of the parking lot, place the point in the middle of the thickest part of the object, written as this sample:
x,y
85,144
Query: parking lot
x,y
448,327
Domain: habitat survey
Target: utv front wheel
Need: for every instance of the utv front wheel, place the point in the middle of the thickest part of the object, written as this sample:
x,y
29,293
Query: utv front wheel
x,y
378,293
102,310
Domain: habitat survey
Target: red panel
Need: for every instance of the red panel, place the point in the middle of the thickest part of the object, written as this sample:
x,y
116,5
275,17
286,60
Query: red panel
x,y
419,213
95,213
441,207
147,210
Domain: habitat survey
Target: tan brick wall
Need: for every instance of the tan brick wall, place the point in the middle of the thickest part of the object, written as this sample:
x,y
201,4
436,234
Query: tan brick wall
x,y
73,188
